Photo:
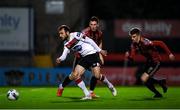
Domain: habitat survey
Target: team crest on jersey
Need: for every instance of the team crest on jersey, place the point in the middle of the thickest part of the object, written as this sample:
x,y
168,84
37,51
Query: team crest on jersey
x,y
147,41
78,34
77,48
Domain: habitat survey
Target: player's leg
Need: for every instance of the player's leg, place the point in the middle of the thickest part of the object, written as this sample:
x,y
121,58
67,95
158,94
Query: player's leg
x,y
102,78
76,75
66,80
62,85
150,84
147,77
93,83
93,80
161,82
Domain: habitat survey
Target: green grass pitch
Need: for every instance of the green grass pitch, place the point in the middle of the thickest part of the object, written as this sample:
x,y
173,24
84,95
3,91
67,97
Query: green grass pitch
x,y
127,98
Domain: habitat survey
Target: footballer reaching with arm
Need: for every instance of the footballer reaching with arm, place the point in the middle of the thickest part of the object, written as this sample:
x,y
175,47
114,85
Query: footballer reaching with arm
x,y
148,49
87,48
93,32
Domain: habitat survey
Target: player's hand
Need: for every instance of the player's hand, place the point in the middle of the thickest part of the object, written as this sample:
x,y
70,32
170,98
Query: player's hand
x,y
58,61
103,52
126,54
171,57
128,58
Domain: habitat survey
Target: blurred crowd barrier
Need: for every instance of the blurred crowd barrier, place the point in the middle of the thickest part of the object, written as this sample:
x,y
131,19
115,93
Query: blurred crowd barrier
x,y
35,76
54,76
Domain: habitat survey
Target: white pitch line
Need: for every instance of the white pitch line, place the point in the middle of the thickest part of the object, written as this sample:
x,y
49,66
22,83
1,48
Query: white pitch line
x,y
20,91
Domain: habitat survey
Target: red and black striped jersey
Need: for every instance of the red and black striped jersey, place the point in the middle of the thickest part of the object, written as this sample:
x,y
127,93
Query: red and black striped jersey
x,y
95,35
148,49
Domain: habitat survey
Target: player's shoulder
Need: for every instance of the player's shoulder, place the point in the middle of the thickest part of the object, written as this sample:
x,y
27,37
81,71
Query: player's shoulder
x,y
86,30
73,33
76,35
146,41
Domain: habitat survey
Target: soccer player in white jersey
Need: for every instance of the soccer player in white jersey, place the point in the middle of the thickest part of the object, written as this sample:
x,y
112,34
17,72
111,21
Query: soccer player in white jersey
x,y
87,48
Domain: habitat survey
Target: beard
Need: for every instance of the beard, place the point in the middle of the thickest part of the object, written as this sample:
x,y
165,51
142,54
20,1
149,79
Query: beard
x,y
65,38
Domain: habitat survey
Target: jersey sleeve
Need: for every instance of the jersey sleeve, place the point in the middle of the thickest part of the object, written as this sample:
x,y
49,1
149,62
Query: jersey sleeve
x,y
64,54
162,45
91,42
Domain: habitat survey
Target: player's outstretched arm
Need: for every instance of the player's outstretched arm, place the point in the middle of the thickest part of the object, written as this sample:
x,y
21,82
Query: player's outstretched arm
x,y
165,47
63,56
129,55
101,58
162,45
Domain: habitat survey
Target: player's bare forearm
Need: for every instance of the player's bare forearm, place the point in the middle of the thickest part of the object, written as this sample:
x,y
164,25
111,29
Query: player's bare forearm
x,y
100,45
102,59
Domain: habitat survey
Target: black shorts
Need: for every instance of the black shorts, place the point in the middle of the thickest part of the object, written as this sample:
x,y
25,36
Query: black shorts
x,y
77,59
151,68
88,61
75,62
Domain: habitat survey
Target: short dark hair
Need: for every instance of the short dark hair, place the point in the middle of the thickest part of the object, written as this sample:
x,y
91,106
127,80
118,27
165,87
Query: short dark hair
x,y
94,18
65,27
134,31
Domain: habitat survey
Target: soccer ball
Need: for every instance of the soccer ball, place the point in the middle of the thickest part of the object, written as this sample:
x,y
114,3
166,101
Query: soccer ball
x,y
12,94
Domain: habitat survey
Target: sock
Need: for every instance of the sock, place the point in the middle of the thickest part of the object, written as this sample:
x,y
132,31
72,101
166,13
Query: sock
x,y
161,82
155,81
60,86
66,82
149,84
93,83
82,85
105,81
158,81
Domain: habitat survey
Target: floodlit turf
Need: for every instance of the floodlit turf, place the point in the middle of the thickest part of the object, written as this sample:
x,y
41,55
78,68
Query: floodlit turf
x,y
128,97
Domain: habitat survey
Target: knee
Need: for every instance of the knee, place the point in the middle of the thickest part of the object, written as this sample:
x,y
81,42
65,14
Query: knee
x,y
74,76
144,78
97,76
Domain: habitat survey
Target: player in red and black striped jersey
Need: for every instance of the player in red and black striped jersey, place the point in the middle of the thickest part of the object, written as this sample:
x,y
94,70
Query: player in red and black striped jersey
x,y
93,32
148,49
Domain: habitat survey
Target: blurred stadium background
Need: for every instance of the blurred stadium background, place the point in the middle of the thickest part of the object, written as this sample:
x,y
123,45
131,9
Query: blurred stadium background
x,y
29,43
